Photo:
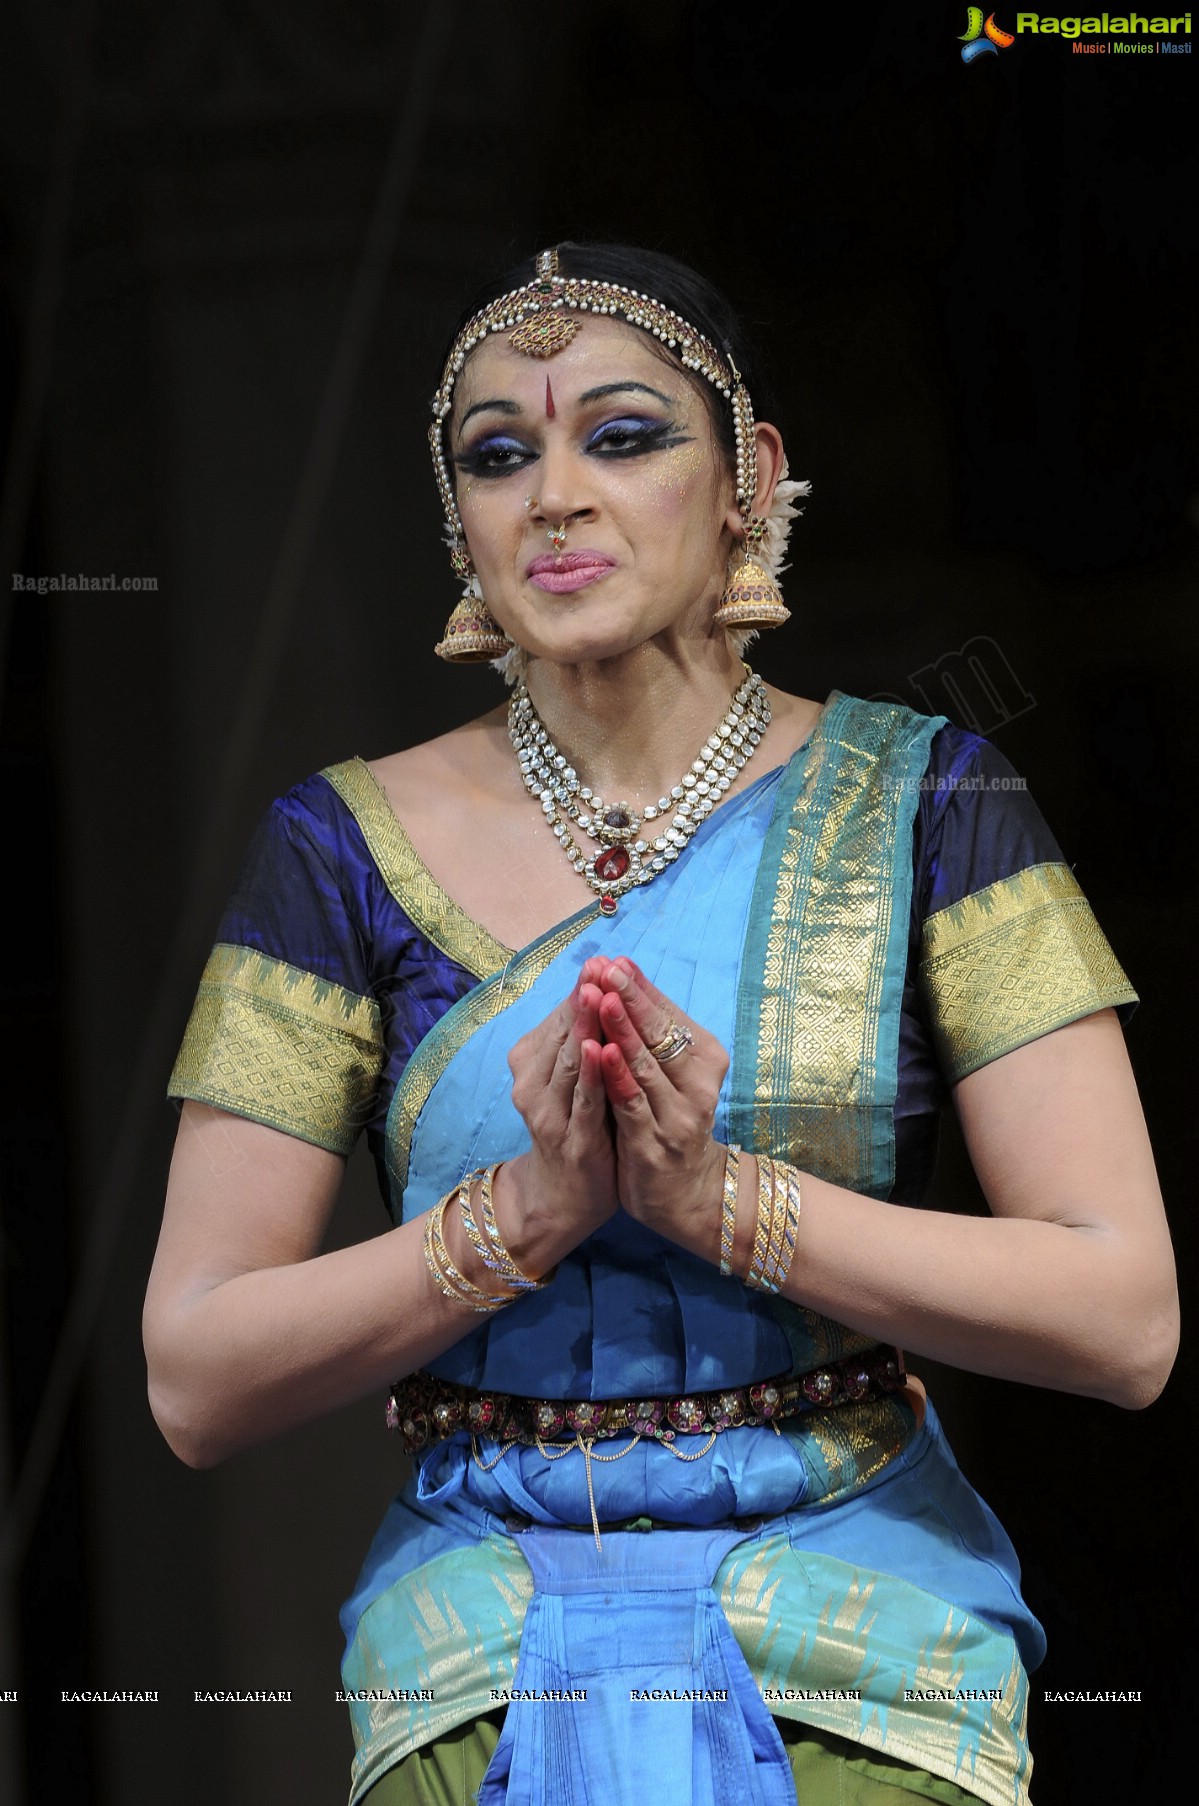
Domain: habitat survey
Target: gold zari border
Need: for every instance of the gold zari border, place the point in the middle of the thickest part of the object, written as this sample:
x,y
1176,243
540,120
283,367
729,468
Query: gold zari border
x,y
822,1650
461,1614
281,1046
451,1034
1012,962
406,876
819,1094
857,1441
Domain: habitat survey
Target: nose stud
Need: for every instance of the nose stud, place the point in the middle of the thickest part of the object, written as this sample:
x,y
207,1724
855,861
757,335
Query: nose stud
x,y
530,501
557,536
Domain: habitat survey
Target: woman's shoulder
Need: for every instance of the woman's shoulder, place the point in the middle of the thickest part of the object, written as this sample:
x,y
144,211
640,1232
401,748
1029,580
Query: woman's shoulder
x,y
793,722
419,780
433,790
455,766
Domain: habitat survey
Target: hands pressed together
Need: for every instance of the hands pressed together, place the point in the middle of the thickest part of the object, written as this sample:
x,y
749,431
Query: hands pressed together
x,y
612,1122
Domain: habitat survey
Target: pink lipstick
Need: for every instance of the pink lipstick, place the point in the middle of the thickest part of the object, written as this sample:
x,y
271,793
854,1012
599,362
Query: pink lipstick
x,y
559,573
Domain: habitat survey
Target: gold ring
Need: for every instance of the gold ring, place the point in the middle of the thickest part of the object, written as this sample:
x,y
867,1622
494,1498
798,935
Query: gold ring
x,y
675,1041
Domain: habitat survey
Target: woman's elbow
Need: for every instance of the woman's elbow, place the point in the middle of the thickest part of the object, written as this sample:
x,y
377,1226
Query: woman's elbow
x,y
180,1403
1149,1349
186,1428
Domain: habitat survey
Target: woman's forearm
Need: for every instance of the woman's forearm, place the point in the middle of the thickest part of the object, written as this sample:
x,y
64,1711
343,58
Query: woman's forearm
x,y
1070,1283
236,1363
1084,1309
236,1358
1080,1309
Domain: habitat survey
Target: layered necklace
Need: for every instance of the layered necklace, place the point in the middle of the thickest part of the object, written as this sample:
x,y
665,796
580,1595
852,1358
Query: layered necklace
x,y
624,856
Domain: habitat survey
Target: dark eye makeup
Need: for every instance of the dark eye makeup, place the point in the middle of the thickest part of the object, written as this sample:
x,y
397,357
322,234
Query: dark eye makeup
x,y
632,435
626,436
495,455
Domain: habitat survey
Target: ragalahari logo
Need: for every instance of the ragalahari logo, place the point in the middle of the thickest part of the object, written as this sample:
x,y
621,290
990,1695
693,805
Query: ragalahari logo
x,y
983,38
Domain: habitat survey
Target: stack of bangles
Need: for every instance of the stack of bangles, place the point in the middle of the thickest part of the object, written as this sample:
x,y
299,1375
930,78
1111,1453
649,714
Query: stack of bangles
x,y
775,1231
483,1234
776,1226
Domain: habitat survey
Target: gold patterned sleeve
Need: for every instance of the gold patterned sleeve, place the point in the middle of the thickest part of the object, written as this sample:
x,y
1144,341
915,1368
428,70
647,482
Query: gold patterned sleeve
x,y
1012,961
286,1028
268,1041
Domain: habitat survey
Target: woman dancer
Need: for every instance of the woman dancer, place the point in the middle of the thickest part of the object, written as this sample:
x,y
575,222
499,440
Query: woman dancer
x,y
647,989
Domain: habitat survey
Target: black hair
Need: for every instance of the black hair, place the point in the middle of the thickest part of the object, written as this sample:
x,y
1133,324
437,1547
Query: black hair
x,y
667,280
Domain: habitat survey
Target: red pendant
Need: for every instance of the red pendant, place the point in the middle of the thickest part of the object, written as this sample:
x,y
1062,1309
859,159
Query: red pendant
x,y
607,906
611,865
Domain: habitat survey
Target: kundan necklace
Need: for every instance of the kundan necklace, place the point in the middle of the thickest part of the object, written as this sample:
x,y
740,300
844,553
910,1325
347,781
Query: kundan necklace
x,y
623,856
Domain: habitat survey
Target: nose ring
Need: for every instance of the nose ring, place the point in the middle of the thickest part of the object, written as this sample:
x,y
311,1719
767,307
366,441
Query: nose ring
x,y
557,536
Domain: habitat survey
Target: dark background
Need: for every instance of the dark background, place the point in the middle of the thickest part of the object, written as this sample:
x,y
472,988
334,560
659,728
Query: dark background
x,y
234,237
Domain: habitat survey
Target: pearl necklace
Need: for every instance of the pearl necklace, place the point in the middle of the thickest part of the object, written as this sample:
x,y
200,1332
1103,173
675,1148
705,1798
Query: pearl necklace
x,y
623,857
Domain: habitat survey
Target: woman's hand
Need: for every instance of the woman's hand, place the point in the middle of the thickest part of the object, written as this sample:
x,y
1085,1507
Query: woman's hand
x,y
669,1170
549,1200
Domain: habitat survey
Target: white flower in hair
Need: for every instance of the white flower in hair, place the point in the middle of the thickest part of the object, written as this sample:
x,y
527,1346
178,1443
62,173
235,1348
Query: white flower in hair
x,y
773,549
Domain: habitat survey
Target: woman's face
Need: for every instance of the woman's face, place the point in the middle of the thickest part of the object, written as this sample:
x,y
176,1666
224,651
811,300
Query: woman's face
x,y
615,443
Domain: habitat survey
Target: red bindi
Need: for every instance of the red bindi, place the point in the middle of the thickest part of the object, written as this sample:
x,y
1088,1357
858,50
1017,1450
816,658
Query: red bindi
x,y
550,410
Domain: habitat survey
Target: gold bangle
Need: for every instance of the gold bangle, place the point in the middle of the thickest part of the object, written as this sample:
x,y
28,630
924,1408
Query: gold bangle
x,y
468,1290
765,1276
777,1228
728,1206
757,1259
503,1263
791,1231
473,1233
483,1233
448,1280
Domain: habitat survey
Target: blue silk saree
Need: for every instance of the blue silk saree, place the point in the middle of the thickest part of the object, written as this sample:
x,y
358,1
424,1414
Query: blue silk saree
x,y
860,928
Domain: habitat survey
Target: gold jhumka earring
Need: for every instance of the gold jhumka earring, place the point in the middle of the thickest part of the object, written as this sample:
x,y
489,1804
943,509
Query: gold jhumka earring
x,y
472,634
751,597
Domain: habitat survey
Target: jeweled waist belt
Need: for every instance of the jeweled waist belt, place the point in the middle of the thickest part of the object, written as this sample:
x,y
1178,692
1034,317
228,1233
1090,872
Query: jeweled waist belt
x,y
424,1409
